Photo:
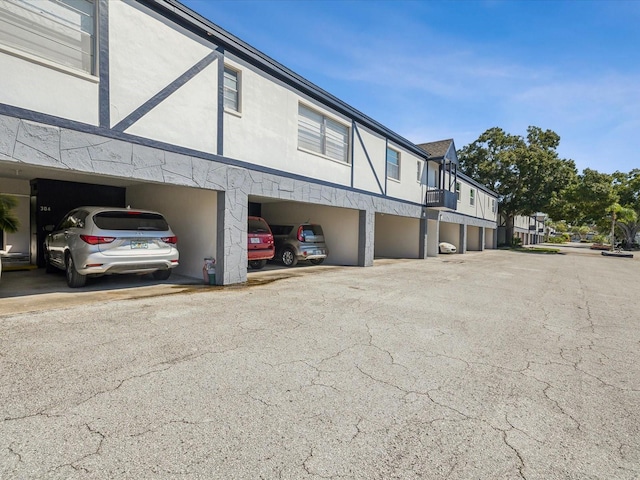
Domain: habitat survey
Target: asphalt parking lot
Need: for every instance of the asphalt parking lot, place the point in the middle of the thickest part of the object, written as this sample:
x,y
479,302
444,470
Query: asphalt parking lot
x,y
493,365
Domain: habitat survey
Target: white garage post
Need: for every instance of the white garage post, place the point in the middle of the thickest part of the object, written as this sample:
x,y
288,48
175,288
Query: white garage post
x,y
366,237
482,234
231,248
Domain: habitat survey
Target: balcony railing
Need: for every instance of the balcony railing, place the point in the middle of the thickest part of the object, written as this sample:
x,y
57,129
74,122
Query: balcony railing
x,y
441,199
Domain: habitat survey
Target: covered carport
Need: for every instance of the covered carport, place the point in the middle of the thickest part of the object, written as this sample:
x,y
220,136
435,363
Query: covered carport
x,y
191,212
475,238
450,232
340,225
396,236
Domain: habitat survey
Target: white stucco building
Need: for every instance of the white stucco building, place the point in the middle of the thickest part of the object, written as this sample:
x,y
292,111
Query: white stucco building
x,y
150,104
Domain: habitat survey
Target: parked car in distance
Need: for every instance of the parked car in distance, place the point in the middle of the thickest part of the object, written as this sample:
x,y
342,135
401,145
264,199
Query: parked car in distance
x,y
260,247
295,242
446,247
95,241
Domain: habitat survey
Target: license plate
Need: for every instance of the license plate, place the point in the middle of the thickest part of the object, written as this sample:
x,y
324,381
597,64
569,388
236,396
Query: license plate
x,y
254,240
319,252
139,244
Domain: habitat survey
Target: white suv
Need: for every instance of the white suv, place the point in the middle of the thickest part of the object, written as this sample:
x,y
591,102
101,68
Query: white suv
x,y
95,241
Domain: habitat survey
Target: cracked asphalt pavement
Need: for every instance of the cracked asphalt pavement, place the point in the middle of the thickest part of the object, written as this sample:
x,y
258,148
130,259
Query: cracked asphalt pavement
x,y
493,365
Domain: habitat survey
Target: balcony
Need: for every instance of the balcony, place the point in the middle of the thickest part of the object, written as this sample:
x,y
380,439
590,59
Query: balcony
x,y
441,199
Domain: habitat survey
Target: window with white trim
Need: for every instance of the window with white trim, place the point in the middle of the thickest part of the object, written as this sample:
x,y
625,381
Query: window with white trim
x,y
493,205
61,31
393,164
231,89
472,197
319,134
458,186
419,172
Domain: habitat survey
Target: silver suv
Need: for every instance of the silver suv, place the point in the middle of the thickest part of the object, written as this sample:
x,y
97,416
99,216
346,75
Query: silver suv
x,y
299,242
95,241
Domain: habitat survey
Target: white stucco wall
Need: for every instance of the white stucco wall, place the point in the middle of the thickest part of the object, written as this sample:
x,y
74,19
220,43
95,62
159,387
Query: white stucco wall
x,y
265,132
396,237
147,53
408,188
191,213
44,87
340,226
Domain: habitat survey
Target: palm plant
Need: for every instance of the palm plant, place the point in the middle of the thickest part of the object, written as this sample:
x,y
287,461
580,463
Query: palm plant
x,y
8,220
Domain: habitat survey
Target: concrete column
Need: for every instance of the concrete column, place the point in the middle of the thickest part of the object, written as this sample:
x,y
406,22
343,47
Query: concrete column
x,y
422,240
482,234
463,239
231,249
366,237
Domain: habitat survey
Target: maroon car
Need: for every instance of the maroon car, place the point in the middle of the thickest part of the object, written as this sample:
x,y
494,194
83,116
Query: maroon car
x,y
260,246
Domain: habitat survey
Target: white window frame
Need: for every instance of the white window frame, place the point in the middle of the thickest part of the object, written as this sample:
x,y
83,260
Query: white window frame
x,y
234,103
419,171
394,169
458,190
472,196
321,135
54,33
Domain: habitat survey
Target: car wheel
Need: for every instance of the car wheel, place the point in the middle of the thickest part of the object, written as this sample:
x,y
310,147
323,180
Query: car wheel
x,y
162,274
288,258
74,279
257,264
317,261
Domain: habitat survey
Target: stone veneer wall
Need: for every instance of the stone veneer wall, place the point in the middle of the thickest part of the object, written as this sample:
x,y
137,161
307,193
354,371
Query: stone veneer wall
x,y
38,144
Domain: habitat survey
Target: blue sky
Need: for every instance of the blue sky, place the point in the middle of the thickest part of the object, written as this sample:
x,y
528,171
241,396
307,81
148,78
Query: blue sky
x,y
431,70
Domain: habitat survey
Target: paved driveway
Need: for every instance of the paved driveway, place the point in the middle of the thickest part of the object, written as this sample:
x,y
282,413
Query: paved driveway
x,y
494,365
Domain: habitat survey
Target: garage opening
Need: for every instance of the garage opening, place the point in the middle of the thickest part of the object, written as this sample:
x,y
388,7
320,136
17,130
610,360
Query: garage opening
x,y
339,225
396,237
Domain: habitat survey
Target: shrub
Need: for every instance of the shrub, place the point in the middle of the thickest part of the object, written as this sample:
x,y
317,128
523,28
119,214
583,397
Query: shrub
x,y
557,239
516,241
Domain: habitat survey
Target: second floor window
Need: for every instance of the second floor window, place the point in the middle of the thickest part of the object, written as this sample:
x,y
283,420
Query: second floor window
x,y
419,172
231,90
472,197
393,164
458,190
60,31
320,134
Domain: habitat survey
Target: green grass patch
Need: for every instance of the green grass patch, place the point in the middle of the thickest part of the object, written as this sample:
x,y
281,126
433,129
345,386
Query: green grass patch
x,y
542,250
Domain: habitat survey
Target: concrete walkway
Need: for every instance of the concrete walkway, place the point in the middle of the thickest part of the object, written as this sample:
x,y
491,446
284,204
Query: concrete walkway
x,y
493,365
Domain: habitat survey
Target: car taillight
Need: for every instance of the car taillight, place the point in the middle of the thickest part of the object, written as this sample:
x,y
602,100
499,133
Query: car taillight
x,y
93,240
300,235
172,240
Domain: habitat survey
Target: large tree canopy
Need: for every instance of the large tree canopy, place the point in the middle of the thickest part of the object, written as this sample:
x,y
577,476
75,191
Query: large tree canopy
x,y
526,173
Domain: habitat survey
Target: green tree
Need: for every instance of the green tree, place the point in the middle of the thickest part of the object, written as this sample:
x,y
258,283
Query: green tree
x,y
8,220
588,198
526,173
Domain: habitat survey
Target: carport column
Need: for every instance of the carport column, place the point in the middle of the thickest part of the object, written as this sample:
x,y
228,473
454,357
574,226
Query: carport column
x,y
463,239
422,240
482,233
366,237
231,248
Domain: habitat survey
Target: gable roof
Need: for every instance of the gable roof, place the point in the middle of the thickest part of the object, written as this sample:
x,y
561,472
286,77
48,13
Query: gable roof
x,y
437,150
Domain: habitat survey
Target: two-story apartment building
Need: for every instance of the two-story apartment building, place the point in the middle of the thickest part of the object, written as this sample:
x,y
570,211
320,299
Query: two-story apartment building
x,y
146,103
